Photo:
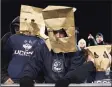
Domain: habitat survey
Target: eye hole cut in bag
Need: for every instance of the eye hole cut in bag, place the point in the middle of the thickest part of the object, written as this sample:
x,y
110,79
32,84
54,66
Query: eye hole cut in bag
x,y
95,55
105,55
101,57
60,31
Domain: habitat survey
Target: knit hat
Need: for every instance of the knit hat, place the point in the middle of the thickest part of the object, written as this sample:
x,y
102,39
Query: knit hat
x,y
99,34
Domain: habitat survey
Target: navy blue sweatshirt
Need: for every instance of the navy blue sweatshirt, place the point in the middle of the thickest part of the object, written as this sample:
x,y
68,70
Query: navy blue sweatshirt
x,y
17,51
55,66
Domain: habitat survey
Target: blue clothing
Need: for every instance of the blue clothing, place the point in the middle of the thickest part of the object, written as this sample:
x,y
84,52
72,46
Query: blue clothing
x,y
18,50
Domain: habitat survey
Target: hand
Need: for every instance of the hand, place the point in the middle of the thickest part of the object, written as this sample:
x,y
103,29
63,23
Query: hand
x,y
26,82
90,36
9,81
90,58
62,83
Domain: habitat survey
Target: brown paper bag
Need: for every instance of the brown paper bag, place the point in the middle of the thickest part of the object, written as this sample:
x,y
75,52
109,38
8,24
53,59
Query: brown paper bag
x,y
31,19
101,56
108,47
56,18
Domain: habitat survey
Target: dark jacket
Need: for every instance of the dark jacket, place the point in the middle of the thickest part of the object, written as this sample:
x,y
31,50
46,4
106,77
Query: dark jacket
x,y
55,66
92,42
4,39
16,53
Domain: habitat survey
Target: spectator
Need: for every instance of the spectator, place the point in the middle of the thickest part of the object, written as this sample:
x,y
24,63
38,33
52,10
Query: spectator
x,y
4,61
42,59
17,51
62,65
99,40
14,27
102,61
82,44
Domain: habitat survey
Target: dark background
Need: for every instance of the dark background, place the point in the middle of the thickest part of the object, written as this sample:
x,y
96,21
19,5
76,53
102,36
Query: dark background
x,y
90,17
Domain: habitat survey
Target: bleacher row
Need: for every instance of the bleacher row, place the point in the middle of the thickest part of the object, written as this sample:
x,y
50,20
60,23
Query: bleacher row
x,y
71,85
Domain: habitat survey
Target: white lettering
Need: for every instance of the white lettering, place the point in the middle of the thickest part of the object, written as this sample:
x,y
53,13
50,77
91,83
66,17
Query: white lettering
x,y
102,81
15,52
23,53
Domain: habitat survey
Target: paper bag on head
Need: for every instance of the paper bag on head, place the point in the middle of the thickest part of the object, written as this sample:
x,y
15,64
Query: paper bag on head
x,y
111,51
31,19
101,56
57,18
108,47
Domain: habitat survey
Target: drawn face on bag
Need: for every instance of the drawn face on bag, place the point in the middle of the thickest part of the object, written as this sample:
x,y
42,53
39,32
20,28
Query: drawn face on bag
x,y
59,21
101,56
31,19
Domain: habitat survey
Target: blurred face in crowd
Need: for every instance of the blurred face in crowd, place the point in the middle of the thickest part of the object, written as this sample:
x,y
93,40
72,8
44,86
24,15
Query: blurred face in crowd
x,y
59,35
99,39
82,43
16,28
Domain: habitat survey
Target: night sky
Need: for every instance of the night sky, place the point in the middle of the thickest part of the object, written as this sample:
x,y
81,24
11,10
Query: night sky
x,y
90,17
